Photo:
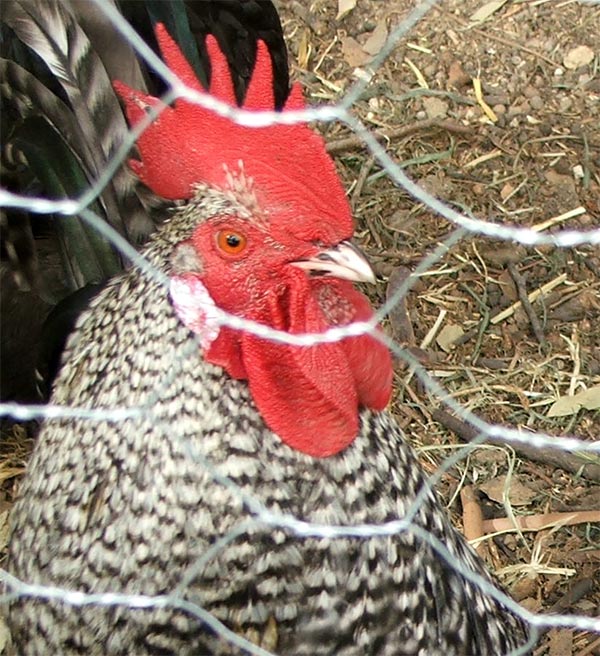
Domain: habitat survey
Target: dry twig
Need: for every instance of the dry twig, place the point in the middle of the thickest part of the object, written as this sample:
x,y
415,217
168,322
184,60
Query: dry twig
x,y
350,143
522,291
540,522
473,524
571,462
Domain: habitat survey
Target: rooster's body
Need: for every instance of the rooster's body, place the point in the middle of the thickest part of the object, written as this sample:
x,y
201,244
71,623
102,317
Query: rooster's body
x,y
201,500
132,506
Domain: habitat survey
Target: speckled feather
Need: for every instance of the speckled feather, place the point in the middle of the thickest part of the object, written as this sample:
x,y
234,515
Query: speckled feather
x,y
130,507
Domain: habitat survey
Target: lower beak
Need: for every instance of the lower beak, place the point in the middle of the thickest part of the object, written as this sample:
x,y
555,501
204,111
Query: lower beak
x,y
341,261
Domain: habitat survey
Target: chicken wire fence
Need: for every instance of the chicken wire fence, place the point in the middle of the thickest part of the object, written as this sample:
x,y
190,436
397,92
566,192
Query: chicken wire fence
x,y
463,224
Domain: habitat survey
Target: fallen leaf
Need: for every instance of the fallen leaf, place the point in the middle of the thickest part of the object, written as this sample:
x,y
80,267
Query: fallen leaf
x,y
589,399
560,642
559,180
344,8
499,255
353,52
506,191
377,39
489,8
519,494
579,56
448,336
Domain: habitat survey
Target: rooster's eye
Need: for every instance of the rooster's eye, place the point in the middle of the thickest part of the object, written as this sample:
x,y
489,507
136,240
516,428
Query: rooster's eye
x,y
231,242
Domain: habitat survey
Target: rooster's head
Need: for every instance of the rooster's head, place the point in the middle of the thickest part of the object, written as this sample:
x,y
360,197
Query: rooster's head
x,y
276,250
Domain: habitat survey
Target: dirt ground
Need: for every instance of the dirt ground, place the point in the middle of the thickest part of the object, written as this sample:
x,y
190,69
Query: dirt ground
x,y
506,330
526,152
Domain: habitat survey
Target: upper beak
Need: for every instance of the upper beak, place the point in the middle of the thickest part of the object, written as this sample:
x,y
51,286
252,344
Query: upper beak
x,y
344,260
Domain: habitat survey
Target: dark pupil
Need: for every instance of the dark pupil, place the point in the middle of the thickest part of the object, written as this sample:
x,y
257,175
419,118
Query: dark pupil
x,y
233,241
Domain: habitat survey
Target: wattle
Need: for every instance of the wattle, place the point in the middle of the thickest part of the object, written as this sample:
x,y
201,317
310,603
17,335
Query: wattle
x,y
310,396
369,359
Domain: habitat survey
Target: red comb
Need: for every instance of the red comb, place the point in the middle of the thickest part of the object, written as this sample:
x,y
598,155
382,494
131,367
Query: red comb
x,y
187,144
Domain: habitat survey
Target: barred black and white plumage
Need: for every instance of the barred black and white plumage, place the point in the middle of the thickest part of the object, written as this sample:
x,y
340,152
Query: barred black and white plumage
x,y
129,507
174,502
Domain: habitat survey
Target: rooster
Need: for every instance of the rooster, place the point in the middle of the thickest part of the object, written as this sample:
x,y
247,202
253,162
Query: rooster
x,y
211,510
67,131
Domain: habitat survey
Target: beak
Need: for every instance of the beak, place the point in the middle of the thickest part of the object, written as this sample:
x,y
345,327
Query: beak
x,y
343,260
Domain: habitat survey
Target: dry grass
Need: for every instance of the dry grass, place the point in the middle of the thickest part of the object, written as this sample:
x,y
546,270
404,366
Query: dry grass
x,y
523,151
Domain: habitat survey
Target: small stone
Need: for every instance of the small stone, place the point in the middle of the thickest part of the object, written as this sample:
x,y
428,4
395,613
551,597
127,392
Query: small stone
x,y
456,75
565,104
361,74
536,102
513,112
577,57
421,115
562,168
499,109
558,72
535,43
518,110
435,107
578,172
472,113
430,70
497,99
545,129
453,36
593,85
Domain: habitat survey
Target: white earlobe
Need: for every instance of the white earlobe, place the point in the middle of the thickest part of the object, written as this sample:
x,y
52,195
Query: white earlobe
x,y
195,307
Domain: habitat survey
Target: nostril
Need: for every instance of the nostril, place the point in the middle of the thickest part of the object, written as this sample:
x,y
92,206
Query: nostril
x,y
325,257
